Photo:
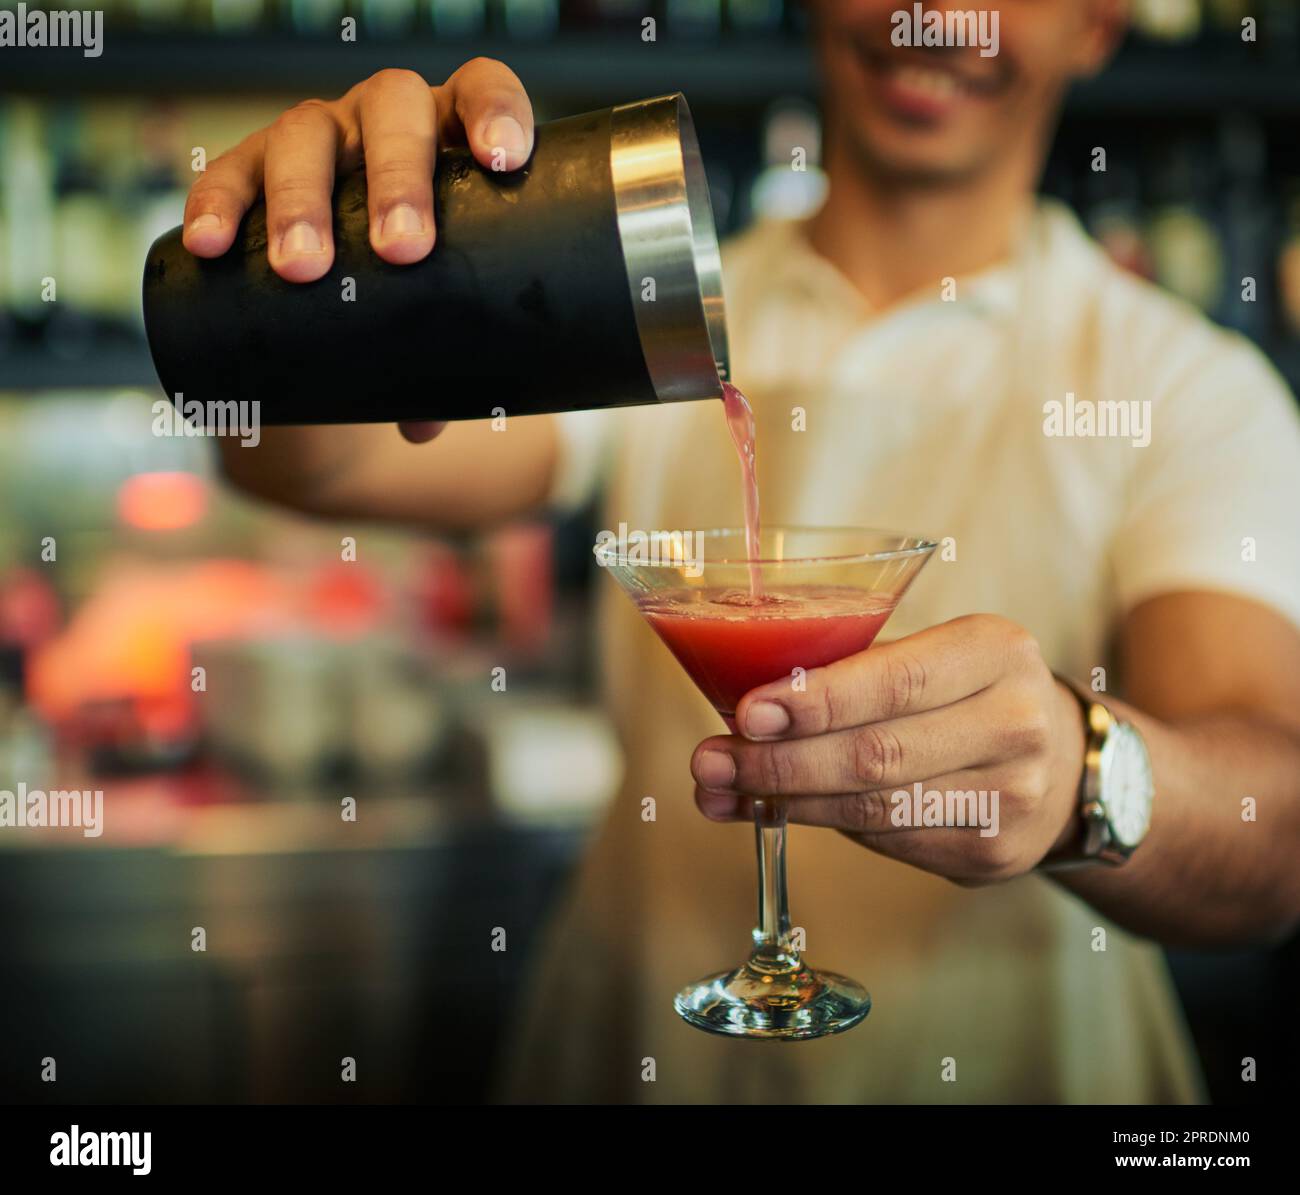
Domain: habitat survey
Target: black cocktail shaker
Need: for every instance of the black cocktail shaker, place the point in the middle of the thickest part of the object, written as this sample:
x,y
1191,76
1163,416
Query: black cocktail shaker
x,y
588,278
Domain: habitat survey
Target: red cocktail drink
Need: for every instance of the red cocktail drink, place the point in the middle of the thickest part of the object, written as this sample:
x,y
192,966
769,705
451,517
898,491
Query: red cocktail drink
x,y
730,642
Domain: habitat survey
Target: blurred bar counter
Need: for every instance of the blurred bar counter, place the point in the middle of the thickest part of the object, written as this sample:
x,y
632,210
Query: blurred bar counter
x,y
399,939
314,953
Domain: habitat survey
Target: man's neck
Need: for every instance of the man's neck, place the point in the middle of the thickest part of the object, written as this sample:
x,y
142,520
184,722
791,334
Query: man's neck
x,y
892,239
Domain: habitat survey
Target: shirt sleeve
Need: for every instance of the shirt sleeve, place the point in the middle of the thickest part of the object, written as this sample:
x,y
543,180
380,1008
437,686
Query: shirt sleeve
x,y
584,440
1215,498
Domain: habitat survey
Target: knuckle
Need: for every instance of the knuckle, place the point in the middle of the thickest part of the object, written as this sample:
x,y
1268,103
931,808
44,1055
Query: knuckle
x,y
974,624
1023,646
491,82
1024,731
395,169
298,191
1016,805
481,62
863,810
903,683
1018,789
774,769
877,754
213,192
396,76
1032,786
219,166
310,114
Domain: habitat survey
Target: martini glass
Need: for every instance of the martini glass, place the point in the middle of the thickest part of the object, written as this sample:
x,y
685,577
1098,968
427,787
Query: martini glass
x,y
826,593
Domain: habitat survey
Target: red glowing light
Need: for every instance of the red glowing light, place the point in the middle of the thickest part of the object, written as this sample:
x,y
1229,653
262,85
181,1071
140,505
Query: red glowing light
x,y
162,501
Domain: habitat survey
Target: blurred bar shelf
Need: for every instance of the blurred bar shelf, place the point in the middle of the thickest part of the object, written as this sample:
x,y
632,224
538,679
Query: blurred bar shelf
x,y
572,64
755,69
106,367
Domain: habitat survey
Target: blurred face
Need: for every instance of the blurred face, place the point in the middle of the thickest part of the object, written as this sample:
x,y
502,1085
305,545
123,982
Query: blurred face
x,y
944,113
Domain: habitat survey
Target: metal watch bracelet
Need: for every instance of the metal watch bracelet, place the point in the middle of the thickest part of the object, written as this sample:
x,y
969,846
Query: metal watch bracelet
x,y
1090,828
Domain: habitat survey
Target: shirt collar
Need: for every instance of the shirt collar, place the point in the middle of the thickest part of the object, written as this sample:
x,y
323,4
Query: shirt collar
x,y
794,267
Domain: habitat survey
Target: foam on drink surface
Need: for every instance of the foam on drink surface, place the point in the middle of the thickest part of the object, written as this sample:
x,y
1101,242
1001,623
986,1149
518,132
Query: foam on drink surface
x,y
810,601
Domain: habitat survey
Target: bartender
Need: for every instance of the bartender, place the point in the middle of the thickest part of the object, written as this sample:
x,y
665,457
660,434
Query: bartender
x,y
925,319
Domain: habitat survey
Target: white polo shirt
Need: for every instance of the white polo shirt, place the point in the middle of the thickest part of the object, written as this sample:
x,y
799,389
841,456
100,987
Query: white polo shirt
x,y
928,418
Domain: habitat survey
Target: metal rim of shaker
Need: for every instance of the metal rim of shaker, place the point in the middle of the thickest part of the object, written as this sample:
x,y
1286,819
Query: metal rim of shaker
x,y
665,225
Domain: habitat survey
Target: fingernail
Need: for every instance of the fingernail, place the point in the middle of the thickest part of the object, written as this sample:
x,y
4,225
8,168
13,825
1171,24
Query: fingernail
x,y
505,132
766,718
205,221
719,805
715,769
301,238
420,431
401,221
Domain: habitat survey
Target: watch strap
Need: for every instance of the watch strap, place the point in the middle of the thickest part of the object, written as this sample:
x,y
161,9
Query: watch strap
x,y
1088,846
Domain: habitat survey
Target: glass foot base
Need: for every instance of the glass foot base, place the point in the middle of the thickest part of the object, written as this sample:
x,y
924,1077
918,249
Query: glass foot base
x,y
784,1005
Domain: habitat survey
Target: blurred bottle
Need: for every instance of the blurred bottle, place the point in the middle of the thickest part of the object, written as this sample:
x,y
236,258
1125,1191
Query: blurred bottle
x,y
158,188
1225,20
27,199
388,18
6,316
395,716
1247,225
694,18
1187,254
117,14
443,591
755,16
619,15
1288,266
1167,20
1279,25
531,18
26,744
30,610
237,16
158,15
85,238
1112,210
1185,246
519,559
457,18
316,18
29,615
791,184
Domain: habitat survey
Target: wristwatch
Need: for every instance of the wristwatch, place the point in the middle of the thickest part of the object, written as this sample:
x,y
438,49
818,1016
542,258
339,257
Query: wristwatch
x,y
1116,790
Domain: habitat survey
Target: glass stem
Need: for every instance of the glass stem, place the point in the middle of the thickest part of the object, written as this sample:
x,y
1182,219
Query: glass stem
x,y
772,950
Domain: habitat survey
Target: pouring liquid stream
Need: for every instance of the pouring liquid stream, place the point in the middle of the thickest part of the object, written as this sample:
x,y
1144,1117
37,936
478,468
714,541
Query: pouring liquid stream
x,y
740,423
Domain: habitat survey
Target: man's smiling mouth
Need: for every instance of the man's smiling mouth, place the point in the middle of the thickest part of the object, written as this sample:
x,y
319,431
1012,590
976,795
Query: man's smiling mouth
x,y
927,83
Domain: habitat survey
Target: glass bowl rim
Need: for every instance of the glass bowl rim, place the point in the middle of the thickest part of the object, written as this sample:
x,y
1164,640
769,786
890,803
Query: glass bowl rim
x,y
607,554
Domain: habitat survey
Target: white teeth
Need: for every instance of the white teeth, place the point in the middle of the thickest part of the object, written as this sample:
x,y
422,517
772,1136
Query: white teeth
x,y
938,84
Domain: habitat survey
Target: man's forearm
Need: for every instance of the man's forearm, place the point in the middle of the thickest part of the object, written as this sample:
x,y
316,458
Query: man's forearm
x,y
470,477
293,466
1220,863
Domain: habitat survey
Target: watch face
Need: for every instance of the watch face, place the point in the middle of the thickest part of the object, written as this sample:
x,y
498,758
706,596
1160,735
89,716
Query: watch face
x,y
1127,787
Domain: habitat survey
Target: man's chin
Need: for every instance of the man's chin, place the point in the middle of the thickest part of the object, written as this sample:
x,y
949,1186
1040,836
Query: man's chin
x,y
909,163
